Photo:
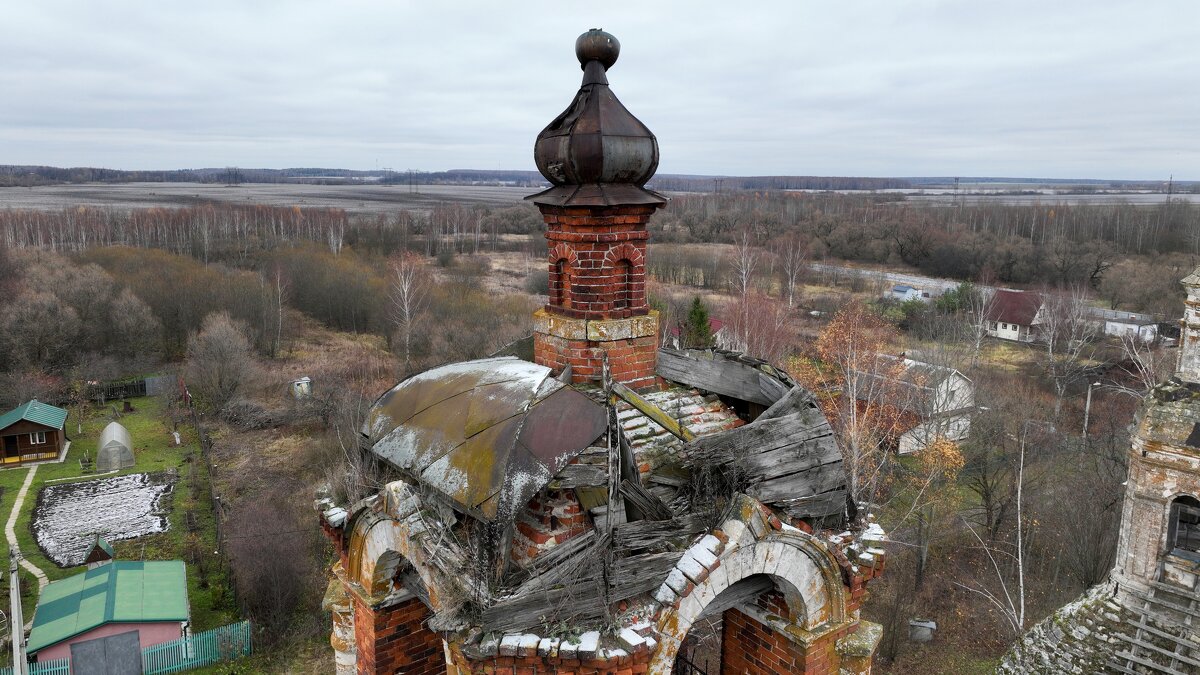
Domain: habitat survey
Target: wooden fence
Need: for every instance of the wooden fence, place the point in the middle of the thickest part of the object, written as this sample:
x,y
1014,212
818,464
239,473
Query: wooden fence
x,y
214,646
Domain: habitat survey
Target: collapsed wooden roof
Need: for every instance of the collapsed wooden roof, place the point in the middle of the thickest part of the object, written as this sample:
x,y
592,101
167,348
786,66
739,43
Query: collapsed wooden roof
x,y
653,471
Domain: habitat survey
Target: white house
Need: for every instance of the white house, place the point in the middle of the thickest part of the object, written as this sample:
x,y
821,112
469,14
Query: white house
x,y
938,400
1120,324
1012,315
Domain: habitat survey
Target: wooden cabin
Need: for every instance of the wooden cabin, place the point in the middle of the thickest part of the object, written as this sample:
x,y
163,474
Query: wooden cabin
x,y
33,432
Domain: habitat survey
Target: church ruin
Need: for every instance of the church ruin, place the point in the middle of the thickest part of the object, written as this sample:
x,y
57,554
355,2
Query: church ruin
x,y
1146,617
587,502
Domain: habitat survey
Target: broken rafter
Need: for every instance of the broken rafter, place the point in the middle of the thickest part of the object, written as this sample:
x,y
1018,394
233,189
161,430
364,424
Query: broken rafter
x,y
656,414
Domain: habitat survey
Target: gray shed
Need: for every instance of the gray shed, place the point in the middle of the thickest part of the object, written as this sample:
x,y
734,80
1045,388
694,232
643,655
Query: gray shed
x,y
115,449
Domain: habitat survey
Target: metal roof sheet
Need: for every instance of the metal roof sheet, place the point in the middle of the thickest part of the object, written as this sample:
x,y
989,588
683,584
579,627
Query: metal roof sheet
x,y
488,434
37,412
113,592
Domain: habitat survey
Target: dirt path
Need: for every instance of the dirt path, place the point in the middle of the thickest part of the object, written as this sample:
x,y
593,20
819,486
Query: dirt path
x,y
11,534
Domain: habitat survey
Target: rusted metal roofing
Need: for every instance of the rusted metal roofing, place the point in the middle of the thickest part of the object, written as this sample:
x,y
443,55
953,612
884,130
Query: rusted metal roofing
x,y
1016,307
596,152
488,434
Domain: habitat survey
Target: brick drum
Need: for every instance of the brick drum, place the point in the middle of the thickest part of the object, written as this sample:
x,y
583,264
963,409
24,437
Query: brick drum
x,y
597,270
395,640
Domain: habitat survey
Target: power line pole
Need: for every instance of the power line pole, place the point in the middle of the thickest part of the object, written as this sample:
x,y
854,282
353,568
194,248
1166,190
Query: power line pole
x,y
16,621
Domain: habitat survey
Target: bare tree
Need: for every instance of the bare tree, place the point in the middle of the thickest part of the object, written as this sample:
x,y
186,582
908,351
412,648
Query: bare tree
x,y
793,257
278,291
219,360
745,260
759,328
1146,362
1066,331
407,290
979,302
136,331
860,393
1008,593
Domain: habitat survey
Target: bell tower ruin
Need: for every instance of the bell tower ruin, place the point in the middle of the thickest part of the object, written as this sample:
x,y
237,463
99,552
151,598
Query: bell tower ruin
x,y
1160,523
598,157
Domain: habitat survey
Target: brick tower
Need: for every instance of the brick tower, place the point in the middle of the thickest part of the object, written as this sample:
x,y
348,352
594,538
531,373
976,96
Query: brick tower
x,y
598,157
1160,526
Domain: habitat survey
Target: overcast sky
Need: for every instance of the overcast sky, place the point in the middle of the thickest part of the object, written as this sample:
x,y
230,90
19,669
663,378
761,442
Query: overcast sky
x,y
1094,89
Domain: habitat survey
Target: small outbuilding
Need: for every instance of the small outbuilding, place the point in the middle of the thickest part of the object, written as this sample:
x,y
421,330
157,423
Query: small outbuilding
x,y
33,432
114,597
302,388
101,552
115,449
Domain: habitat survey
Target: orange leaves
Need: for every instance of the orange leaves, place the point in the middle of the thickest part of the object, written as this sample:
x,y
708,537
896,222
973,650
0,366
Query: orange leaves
x,y
855,337
942,458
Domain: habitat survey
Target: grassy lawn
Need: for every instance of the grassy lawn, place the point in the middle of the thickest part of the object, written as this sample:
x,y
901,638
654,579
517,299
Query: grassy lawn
x,y
208,594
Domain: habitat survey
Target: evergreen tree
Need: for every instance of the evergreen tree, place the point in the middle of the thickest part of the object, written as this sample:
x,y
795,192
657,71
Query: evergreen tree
x,y
697,332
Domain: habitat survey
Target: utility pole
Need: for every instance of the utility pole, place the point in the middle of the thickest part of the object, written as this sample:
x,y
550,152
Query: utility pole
x,y
1087,408
16,621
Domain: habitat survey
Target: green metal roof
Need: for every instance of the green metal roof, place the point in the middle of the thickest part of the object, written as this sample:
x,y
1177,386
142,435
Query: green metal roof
x,y
103,545
113,592
34,411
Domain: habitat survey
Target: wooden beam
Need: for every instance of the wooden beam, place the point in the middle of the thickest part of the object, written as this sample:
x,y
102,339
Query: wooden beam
x,y
712,372
652,411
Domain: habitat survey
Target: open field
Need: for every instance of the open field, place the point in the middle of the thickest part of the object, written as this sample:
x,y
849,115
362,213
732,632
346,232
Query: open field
x,y
374,199
362,199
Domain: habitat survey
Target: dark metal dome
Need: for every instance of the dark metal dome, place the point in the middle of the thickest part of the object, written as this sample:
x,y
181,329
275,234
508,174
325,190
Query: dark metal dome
x,y
596,151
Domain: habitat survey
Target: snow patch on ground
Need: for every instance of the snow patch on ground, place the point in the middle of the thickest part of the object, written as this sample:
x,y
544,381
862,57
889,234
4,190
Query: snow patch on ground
x,y
68,517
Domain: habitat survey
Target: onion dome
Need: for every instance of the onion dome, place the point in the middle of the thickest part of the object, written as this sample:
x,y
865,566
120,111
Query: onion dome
x,y
596,152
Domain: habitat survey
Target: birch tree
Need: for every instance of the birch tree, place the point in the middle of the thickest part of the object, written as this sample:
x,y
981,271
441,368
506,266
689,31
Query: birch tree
x,y
793,258
407,291
1067,332
857,391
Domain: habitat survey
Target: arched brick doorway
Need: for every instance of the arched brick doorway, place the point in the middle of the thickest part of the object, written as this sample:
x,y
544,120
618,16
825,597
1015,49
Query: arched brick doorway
x,y
781,589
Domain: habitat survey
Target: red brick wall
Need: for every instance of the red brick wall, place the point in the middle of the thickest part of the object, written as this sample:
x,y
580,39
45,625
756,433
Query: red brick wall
x,y
752,648
589,249
632,360
395,640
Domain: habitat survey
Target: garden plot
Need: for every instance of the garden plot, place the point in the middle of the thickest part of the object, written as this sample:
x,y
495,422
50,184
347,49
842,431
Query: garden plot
x,y
68,517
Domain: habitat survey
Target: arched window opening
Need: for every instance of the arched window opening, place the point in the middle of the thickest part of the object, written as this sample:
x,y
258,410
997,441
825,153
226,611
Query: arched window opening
x,y
1183,536
623,295
560,291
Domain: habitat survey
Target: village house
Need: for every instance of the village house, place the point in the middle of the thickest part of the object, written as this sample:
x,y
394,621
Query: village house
x,y
938,401
1013,315
1120,324
112,597
587,502
32,432
715,326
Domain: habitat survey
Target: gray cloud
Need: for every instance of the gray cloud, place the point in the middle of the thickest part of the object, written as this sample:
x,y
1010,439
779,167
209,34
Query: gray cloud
x,y
1064,89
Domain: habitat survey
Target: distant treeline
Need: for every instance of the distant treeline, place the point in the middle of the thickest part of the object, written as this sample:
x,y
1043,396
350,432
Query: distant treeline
x,y
45,175
1131,255
735,183
227,232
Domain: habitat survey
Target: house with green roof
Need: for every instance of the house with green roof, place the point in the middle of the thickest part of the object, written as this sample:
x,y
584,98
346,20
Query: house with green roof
x,y
115,597
32,432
